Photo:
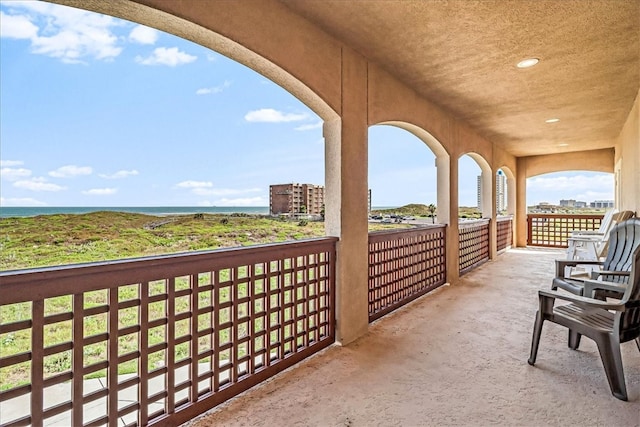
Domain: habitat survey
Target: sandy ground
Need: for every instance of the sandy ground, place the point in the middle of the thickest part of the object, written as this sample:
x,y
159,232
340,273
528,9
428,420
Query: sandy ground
x,y
456,357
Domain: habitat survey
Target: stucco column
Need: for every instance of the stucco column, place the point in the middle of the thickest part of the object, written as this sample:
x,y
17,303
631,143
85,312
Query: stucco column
x,y
521,203
453,256
346,199
443,186
493,225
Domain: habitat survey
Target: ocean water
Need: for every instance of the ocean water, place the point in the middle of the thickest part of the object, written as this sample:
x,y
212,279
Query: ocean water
x,y
8,212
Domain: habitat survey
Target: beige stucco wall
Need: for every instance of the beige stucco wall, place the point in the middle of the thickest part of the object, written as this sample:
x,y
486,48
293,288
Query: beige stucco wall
x,y
627,158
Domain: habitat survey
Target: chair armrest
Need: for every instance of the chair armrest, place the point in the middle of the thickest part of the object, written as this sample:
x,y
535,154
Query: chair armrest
x,y
592,285
595,274
582,301
586,238
577,233
562,263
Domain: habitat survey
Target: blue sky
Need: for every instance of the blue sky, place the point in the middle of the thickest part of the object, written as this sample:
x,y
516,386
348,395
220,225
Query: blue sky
x,y
97,111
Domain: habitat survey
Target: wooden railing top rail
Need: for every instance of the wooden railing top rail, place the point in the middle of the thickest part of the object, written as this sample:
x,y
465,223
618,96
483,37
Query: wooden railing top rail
x,y
473,222
46,282
380,236
554,215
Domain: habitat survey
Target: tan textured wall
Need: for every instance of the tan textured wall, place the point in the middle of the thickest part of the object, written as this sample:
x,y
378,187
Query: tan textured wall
x,y
628,159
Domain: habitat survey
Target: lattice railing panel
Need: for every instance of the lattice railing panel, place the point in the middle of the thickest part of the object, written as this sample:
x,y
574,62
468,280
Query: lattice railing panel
x,y
404,265
553,230
473,244
137,342
504,233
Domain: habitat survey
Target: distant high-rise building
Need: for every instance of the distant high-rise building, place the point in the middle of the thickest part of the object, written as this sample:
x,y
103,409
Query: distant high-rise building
x,y
501,191
296,199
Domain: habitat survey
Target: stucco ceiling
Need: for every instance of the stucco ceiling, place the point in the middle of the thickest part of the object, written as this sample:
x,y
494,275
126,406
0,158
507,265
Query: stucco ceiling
x,y
462,55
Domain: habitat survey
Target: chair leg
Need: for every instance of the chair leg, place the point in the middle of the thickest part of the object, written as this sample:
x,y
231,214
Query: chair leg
x,y
574,339
609,349
537,330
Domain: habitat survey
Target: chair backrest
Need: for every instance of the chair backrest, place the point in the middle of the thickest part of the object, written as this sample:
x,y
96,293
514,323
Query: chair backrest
x,y
628,321
624,238
602,247
607,221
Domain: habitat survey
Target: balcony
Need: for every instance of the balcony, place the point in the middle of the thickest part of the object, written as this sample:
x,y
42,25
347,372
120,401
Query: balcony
x,y
457,356
182,334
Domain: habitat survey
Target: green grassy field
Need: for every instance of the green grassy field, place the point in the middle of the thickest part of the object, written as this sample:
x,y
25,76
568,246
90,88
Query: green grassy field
x,y
100,236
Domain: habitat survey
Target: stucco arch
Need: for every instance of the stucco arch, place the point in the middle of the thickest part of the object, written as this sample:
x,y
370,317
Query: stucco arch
x,y
593,161
442,165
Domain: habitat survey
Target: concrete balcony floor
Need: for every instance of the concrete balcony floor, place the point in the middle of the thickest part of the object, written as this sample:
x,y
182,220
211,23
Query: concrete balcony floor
x,y
455,357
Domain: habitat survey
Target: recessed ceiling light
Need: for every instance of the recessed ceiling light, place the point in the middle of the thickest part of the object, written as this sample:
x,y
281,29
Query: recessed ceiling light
x,y
529,62
554,120
563,145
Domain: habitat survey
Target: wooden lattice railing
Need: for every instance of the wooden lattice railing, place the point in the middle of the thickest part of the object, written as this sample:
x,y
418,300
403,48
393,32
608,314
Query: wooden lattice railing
x,y
404,265
553,229
473,244
504,233
159,339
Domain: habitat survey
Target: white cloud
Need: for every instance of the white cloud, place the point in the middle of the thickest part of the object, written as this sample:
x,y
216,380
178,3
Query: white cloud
x,y
166,56
26,201
205,188
13,174
195,184
581,187
17,27
270,115
38,184
249,201
71,171
11,163
100,191
66,33
120,174
215,89
310,126
143,35
222,191
574,183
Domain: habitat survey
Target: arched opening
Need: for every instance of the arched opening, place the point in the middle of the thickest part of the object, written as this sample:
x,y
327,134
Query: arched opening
x,y
404,172
145,118
509,197
571,192
474,187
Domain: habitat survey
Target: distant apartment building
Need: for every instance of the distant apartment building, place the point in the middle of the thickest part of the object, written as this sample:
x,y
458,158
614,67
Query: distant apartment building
x,y
571,203
295,199
501,191
602,204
